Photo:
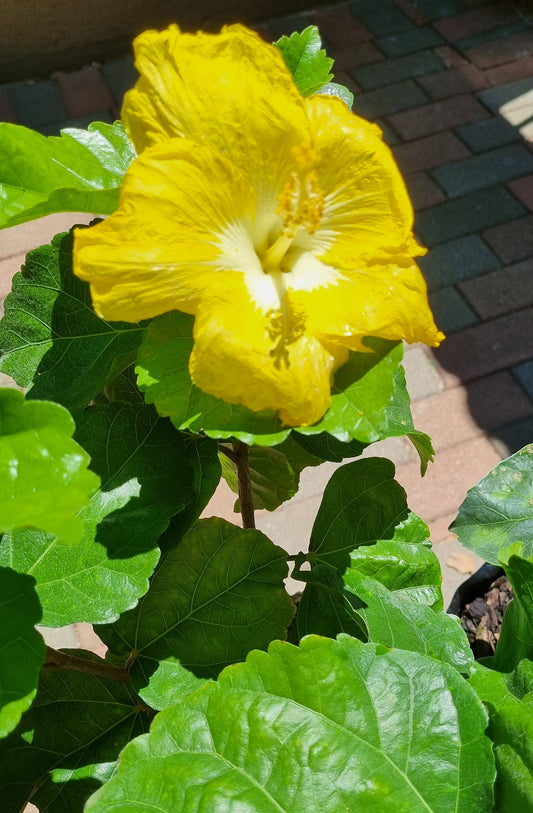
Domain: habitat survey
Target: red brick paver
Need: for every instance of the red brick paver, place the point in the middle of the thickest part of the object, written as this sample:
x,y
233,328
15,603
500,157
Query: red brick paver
x,y
431,118
501,291
476,21
452,82
501,51
85,92
430,152
512,241
523,189
486,348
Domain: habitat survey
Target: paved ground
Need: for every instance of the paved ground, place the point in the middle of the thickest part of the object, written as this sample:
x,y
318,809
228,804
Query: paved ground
x,y
451,83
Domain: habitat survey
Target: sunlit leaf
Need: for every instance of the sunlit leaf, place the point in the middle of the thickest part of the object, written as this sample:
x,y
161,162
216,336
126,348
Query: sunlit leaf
x,y
44,480
306,60
147,478
78,171
330,726
498,511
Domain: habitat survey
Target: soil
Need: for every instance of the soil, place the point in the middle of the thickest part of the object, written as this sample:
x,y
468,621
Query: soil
x,y
482,618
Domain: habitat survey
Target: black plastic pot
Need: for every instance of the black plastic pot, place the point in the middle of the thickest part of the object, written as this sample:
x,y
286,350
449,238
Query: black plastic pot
x,y
477,585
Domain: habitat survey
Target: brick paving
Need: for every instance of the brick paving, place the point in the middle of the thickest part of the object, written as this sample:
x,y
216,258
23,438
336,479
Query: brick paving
x,y
451,83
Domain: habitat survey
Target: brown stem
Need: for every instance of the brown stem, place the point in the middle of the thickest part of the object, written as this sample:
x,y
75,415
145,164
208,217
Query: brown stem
x,y
245,486
61,660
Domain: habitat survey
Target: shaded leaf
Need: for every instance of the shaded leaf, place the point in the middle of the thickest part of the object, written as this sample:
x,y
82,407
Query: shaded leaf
x,y
498,511
43,472
306,60
516,634
509,700
146,479
78,171
327,447
369,397
272,478
22,649
362,503
330,726
324,608
67,744
50,338
215,596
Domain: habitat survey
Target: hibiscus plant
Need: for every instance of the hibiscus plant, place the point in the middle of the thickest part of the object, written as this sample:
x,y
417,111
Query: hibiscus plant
x,y
237,310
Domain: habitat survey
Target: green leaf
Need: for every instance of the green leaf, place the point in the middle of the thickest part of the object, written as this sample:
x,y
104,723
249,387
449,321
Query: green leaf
x,y
50,335
394,621
306,60
273,480
43,472
369,397
405,564
362,503
340,91
215,596
516,634
146,479
498,511
330,726
79,171
509,700
67,744
326,447
324,608
22,649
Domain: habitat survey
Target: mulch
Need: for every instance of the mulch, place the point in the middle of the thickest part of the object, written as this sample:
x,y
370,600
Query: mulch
x,y
482,618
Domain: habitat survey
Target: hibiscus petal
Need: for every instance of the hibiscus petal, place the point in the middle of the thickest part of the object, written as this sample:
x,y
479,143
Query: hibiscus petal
x,y
238,357
367,213
387,300
184,217
230,91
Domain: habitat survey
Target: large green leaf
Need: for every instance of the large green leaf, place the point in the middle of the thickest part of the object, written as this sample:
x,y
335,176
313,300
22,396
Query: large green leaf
x,y
146,479
362,503
509,700
306,60
212,599
330,726
50,338
67,744
369,397
21,647
498,511
79,171
44,479
516,635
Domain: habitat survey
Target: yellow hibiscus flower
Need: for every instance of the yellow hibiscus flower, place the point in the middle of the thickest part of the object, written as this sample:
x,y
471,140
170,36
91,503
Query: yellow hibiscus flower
x,y
281,223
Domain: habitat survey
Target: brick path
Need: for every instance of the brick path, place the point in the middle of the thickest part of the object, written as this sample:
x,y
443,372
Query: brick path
x,y
451,83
